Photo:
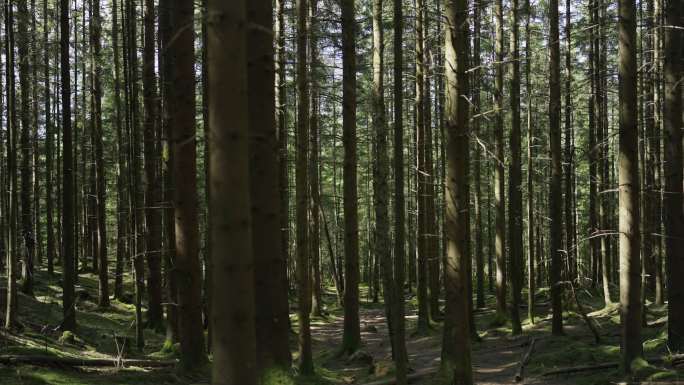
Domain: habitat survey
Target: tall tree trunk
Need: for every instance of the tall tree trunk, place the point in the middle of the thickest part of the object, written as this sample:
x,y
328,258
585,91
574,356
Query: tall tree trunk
x,y
515,213
351,339
101,186
301,195
68,268
478,9
674,218
169,246
28,248
232,258
314,129
657,126
12,249
421,185
593,224
49,146
398,323
121,209
456,359
155,313
568,170
181,102
531,287
555,193
499,193
270,273
630,280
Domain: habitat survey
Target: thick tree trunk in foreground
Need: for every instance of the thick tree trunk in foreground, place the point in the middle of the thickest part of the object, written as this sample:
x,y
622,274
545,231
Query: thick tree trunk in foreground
x,y
270,274
531,287
232,316
630,280
456,360
674,218
181,102
555,194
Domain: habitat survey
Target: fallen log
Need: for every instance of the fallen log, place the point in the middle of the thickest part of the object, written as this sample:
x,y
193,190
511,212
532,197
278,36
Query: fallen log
x,y
525,359
91,362
672,360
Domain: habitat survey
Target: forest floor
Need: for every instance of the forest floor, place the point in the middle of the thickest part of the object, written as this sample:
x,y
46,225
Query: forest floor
x,y
496,356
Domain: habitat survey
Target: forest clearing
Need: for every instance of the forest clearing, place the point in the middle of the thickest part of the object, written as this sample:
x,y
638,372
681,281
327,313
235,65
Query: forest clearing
x,y
323,192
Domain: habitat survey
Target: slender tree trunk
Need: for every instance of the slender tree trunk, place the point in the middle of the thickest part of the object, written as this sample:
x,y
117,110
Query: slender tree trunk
x,y
531,287
351,339
555,193
303,274
12,249
398,323
121,210
281,121
314,129
28,248
68,268
499,193
49,146
155,313
568,171
456,359
478,9
593,224
630,280
657,126
674,218
515,213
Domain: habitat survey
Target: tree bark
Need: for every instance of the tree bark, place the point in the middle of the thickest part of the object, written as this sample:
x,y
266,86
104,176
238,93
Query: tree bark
x,y
456,356
630,280
301,195
399,329
68,268
233,327
555,194
674,218
351,339
515,213
499,192
181,103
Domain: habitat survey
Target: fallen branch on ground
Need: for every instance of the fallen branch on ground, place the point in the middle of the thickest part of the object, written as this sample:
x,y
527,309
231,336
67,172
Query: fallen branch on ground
x,y
673,360
524,361
69,361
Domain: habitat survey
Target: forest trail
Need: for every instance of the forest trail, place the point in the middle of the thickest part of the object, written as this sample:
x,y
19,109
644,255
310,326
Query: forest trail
x,y
495,358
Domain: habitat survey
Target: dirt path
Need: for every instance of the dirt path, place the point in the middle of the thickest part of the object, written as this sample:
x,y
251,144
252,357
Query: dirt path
x,y
495,358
